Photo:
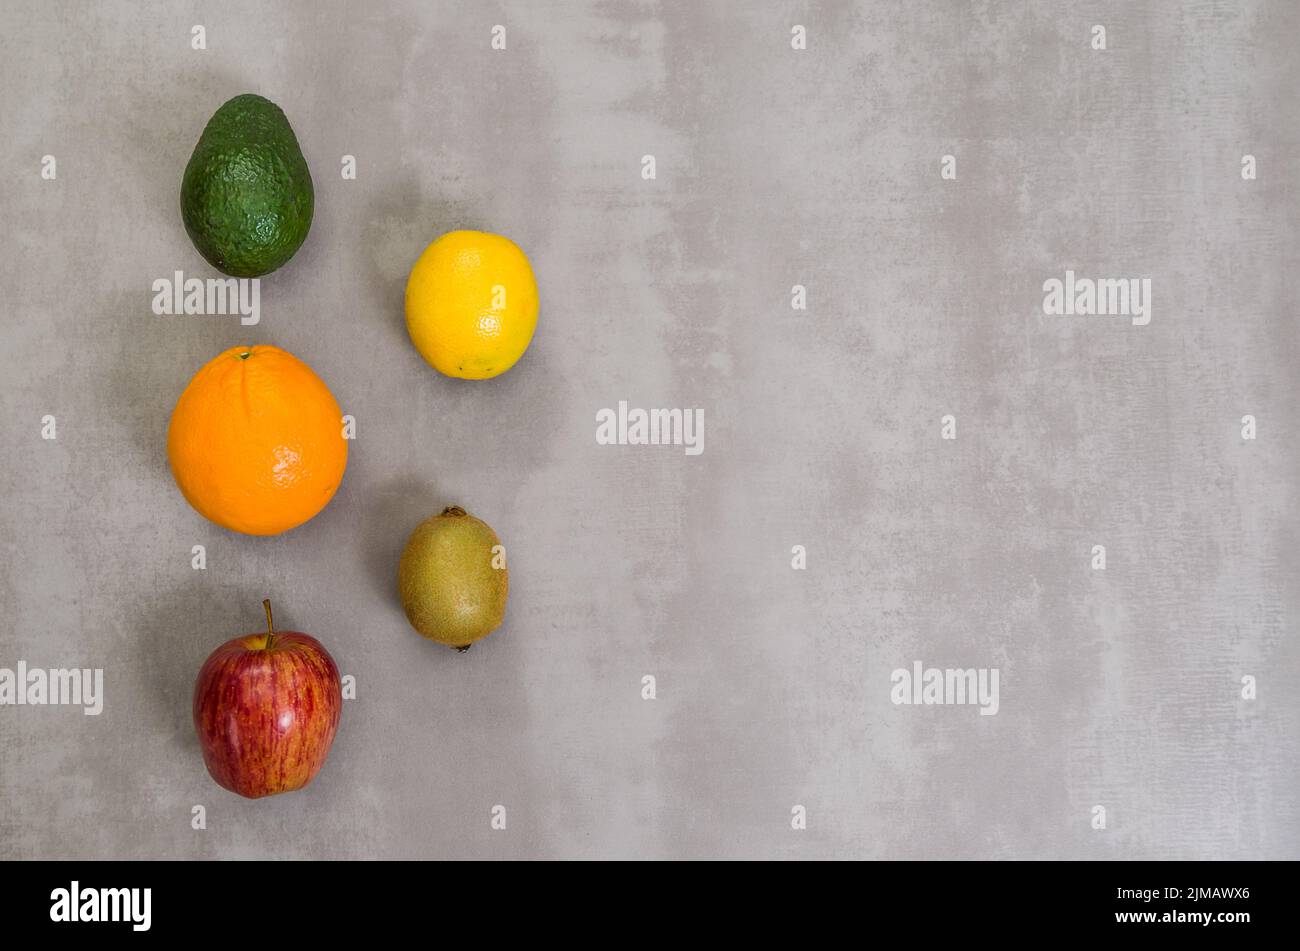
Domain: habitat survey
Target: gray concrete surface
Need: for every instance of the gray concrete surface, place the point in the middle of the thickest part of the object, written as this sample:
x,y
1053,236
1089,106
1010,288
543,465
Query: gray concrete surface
x,y
1119,688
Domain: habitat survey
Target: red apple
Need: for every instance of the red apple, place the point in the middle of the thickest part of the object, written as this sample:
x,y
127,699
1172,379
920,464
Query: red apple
x,y
266,708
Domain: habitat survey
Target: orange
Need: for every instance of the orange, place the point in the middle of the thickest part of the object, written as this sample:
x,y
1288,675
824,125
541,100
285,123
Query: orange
x,y
256,441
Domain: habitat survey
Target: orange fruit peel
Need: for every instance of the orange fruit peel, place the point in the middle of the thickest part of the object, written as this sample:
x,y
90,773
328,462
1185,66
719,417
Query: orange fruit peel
x,y
256,441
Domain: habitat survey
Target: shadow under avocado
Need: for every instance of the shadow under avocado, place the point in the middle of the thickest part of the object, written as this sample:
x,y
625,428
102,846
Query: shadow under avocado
x,y
157,355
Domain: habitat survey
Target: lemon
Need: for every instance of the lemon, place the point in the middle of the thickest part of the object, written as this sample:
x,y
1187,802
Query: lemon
x,y
471,304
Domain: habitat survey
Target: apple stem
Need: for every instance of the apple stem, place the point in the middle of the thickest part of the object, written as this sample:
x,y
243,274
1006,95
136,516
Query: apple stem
x,y
270,624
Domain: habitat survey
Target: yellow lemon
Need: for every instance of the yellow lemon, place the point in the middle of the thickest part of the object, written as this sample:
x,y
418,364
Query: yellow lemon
x,y
471,304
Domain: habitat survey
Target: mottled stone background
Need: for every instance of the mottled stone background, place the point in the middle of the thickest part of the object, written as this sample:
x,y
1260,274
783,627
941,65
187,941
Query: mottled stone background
x,y
775,167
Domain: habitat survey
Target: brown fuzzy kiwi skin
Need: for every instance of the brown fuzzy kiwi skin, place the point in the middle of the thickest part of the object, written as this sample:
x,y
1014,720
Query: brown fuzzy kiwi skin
x,y
446,581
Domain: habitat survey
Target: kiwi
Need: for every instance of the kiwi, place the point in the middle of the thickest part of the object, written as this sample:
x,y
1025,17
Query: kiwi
x,y
452,579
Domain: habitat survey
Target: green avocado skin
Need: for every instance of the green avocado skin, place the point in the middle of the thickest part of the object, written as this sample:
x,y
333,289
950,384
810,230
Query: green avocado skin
x,y
247,198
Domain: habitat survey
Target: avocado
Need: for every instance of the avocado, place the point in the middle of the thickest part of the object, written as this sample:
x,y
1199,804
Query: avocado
x,y
247,197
